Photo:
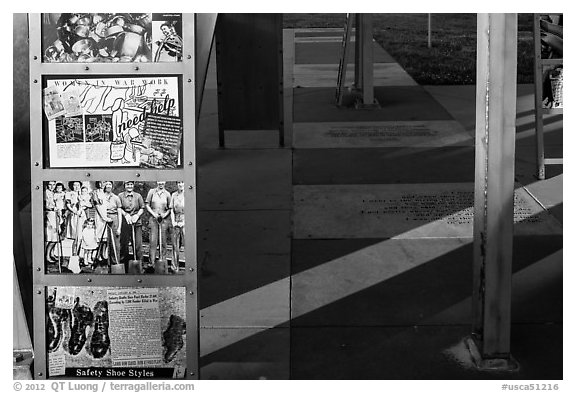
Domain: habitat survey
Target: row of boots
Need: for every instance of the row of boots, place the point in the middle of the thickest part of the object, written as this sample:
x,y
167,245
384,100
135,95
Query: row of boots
x,y
79,319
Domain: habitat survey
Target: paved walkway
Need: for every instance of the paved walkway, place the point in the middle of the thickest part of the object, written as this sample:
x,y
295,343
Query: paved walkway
x,y
349,256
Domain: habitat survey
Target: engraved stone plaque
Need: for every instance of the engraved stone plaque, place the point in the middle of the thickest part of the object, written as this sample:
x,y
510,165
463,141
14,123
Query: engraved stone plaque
x,y
403,211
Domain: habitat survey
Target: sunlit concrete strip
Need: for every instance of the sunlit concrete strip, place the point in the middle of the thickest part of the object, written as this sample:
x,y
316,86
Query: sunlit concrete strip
x,y
326,75
378,134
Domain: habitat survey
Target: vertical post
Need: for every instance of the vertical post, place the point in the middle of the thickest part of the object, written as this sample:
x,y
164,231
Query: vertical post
x,y
367,60
219,34
357,51
538,121
429,31
280,52
494,190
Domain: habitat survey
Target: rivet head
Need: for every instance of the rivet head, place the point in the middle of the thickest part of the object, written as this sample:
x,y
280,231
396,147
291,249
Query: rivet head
x,y
139,280
38,269
189,80
137,175
89,280
37,187
192,373
189,57
190,163
191,292
88,175
35,57
35,80
191,269
39,374
136,68
36,163
190,187
39,292
86,68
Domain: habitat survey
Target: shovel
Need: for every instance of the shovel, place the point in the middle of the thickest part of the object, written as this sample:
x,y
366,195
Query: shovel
x,y
74,261
115,268
160,265
134,265
60,252
98,268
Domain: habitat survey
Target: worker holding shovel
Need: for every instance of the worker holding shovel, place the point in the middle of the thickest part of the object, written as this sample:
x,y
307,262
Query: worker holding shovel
x,y
158,205
131,212
113,224
177,215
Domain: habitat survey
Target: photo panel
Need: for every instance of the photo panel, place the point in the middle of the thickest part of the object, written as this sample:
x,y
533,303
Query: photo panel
x,y
114,227
551,36
113,121
116,332
552,86
111,37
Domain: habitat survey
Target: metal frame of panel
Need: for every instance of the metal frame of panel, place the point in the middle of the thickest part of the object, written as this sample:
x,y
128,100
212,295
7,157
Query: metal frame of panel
x,y
494,189
187,173
541,160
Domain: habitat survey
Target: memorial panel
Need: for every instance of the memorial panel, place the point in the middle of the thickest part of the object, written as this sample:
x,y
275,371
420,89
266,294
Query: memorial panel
x,y
113,121
432,133
115,332
403,211
111,37
107,227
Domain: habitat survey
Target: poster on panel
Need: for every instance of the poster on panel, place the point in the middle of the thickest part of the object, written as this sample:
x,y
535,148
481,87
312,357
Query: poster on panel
x,y
116,332
114,227
111,37
113,121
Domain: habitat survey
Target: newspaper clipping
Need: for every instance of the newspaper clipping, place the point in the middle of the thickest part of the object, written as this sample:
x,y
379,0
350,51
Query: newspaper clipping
x,y
135,327
113,122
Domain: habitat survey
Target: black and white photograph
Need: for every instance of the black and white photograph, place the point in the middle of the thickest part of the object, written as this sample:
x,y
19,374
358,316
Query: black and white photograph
x,y
108,37
167,37
105,227
69,129
99,128
284,197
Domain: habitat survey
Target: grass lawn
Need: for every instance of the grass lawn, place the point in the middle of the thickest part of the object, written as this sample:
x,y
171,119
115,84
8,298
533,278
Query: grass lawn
x,y
452,58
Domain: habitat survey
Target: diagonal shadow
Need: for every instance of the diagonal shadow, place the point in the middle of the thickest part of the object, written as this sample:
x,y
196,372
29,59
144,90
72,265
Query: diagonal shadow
x,y
410,298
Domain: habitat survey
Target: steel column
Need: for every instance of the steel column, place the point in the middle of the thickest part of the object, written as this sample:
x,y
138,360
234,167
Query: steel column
x,y
367,50
494,189
364,61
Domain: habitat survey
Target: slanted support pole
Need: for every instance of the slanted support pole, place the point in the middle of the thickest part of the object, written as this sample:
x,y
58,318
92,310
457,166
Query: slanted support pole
x,y
494,190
